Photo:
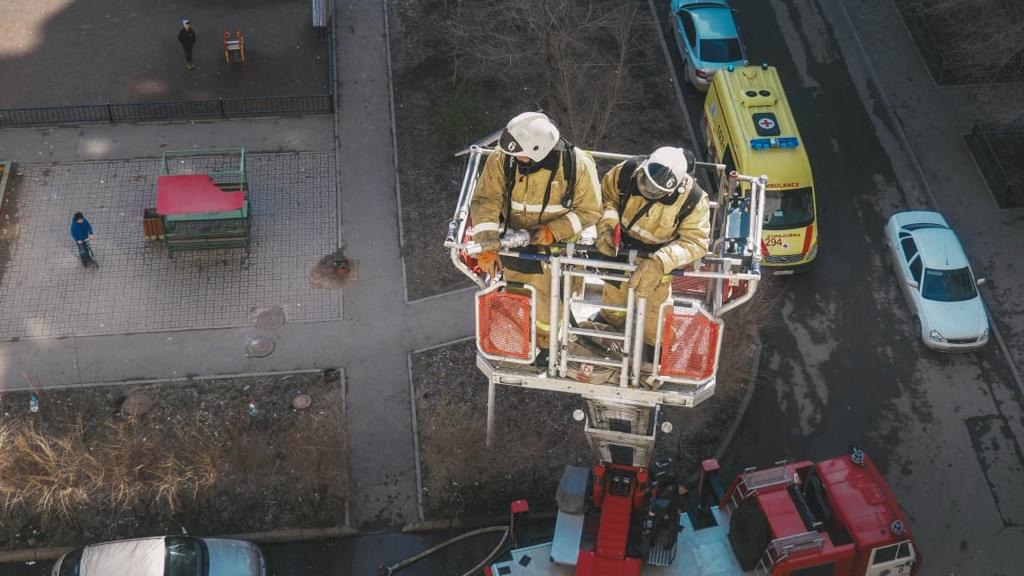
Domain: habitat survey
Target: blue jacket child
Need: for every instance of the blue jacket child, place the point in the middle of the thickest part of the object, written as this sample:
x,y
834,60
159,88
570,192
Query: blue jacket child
x,y
81,230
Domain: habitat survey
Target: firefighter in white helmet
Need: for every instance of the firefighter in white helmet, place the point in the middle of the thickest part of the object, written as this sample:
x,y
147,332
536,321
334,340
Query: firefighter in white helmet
x,y
536,181
660,210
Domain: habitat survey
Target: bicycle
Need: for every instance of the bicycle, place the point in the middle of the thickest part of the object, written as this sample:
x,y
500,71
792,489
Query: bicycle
x,y
86,255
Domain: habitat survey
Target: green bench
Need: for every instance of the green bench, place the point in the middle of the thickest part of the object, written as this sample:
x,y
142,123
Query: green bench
x,y
208,231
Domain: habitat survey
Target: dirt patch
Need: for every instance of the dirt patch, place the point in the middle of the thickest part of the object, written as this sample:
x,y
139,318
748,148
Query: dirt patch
x,y
445,100
331,271
535,435
213,457
968,41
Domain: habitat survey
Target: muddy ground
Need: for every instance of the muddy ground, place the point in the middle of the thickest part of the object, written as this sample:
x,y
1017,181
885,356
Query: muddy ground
x,y
209,457
536,436
443,103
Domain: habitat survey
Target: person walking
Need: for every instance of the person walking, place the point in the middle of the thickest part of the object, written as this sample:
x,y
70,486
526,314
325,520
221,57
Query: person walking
x,y
81,232
535,180
660,210
187,39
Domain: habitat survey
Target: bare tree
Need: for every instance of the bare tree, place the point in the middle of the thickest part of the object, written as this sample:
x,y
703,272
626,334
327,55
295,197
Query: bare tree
x,y
576,52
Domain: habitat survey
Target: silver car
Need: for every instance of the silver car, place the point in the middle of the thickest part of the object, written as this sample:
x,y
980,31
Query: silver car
x,y
934,275
163,556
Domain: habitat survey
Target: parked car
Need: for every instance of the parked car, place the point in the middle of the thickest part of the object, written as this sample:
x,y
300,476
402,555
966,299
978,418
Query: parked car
x,y
707,37
163,556
936,278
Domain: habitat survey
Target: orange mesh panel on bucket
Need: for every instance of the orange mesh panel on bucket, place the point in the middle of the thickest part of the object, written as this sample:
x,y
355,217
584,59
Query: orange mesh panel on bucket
x,y
689,345
504,324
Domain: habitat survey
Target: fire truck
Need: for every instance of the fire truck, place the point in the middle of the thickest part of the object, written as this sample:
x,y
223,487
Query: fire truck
x,y
831,518
628,514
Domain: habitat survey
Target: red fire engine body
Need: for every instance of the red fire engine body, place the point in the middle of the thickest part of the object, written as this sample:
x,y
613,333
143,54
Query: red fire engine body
x,y
832,518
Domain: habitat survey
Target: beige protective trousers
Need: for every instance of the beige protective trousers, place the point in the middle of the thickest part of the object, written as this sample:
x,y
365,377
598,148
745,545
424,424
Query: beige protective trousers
x,y
612,294
542,284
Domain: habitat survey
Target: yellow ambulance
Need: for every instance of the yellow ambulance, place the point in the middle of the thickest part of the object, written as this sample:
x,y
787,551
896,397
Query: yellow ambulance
x,y
749,127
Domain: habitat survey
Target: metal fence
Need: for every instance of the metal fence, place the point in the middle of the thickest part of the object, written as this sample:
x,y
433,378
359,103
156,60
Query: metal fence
x,y
1003,175
154,111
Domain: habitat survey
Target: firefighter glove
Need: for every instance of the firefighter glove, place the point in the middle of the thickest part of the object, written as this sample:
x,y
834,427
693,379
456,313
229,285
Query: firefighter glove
x,y
489,262
606,242
647,277
542,235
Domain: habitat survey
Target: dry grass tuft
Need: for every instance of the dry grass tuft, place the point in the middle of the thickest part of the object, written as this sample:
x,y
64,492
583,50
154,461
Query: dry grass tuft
x,y
62,474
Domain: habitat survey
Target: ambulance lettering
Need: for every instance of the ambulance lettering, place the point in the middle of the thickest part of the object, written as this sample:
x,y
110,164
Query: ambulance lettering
x,y
783,241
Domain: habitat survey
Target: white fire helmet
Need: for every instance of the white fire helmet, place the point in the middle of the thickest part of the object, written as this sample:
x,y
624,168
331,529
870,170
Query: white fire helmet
x,y
530,134
666,169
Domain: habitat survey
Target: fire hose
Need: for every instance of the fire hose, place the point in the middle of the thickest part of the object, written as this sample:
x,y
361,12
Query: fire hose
x,y
393,568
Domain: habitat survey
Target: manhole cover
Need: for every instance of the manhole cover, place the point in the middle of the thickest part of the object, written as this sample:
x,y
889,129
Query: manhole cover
x,y
302,401
259,347
270,318
136,404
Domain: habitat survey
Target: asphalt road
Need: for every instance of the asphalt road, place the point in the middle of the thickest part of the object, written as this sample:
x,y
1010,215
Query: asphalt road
x,y
842,359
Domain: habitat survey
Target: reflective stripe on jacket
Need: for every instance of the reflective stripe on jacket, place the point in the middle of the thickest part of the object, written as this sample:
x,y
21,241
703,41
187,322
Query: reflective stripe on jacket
x,y
680,244
528,198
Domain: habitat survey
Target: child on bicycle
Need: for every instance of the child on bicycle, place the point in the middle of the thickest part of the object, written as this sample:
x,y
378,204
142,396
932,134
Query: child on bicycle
x,y
81,231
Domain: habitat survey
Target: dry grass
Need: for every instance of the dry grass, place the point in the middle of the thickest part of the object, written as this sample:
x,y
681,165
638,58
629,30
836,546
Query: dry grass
x,y
61,474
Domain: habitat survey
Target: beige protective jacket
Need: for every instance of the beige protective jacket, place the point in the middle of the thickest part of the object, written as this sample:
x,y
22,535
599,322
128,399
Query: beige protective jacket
x,y
528,198
681,244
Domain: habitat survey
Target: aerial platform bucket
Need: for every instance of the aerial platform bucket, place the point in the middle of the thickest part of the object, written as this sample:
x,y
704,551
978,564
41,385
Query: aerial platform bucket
x,y
688,344
505,327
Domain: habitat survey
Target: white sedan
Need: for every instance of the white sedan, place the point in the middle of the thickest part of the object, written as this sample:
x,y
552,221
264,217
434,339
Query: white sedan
x,y
164,556
934,275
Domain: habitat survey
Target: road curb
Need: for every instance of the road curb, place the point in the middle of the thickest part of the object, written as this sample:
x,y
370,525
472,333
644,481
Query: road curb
x,y
726,439
269,537
723,444
153,381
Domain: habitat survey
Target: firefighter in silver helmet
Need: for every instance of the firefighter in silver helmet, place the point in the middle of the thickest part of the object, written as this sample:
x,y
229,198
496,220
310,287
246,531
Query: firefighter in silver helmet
x,y
534,181
659,209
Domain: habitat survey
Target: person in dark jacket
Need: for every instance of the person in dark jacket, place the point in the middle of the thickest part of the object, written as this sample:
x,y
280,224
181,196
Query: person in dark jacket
x,y
81,232
187,39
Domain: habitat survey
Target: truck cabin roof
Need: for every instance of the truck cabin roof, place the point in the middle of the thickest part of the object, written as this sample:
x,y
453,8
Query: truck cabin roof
x,y
844,501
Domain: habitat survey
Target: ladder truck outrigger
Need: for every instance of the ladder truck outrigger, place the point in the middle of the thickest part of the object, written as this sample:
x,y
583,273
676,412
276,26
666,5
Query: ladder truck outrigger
x,y
626,515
